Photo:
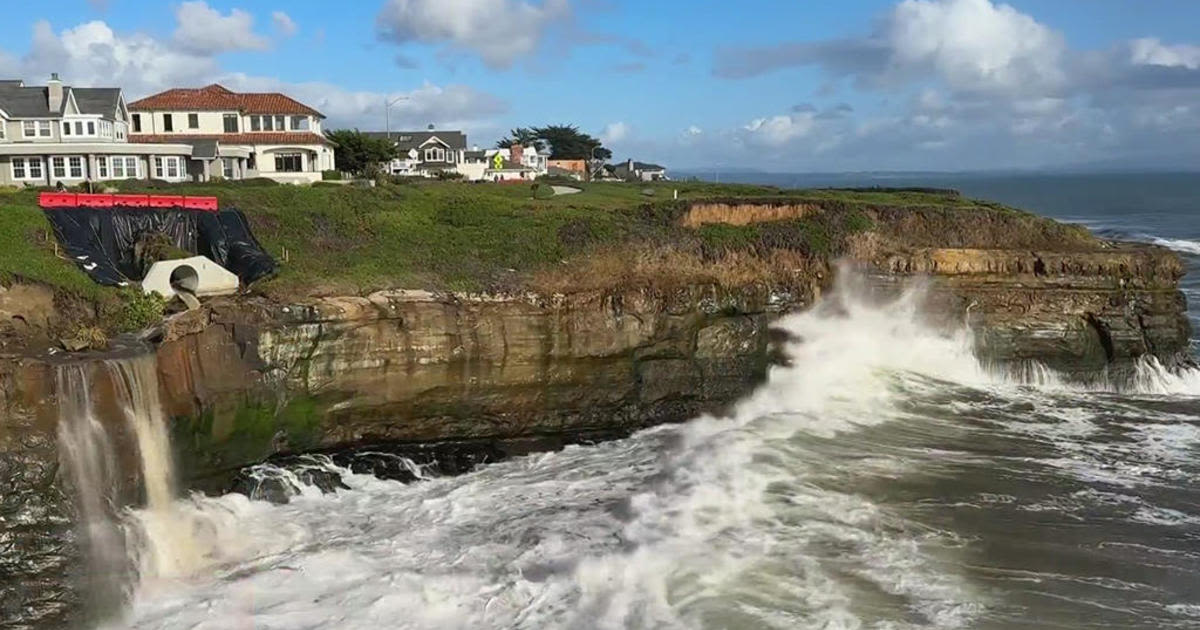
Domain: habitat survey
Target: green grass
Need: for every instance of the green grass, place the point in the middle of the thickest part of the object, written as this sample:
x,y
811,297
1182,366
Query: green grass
x,y
460,236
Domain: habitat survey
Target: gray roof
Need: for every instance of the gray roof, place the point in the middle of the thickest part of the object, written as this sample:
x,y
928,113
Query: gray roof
x,y
11,83
21,101
26,102
204,149
406,140
101,101
646,166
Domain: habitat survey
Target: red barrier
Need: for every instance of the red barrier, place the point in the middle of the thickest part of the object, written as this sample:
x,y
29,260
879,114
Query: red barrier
x,y
200,203
73,200
94,201
57,200
131,201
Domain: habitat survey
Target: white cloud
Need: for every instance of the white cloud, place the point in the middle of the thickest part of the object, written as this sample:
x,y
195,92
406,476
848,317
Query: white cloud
x,y
779,130
284,23
693,131
93,54
1149,51
203,30
615,132
975,44
499,31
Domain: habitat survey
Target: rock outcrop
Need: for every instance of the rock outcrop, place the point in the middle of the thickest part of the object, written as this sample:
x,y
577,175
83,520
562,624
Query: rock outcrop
x,y
246,379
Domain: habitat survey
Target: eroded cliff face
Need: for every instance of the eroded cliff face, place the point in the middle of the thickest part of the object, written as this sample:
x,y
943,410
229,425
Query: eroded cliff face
x,y
246,379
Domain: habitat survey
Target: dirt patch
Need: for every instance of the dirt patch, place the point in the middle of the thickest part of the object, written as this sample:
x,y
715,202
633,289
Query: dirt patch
x,y
745,214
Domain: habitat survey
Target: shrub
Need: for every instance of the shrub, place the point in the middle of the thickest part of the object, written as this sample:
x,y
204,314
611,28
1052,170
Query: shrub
x,y
543,191
449,176
138,310
331,176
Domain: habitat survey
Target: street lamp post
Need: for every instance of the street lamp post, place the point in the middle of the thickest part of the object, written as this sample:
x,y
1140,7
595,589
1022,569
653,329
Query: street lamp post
x,y
387,114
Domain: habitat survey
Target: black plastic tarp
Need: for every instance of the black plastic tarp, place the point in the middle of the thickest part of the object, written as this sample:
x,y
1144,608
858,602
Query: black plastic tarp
x,y
102,240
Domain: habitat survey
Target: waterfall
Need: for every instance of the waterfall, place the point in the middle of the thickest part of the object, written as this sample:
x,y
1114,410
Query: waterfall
x,y
114,543
87,455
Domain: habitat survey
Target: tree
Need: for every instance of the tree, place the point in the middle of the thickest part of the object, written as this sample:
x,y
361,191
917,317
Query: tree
x,y
358,153
523,136
567,142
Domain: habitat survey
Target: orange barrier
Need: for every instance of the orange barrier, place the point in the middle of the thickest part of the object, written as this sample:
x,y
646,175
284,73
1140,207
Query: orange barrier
x,y
83,200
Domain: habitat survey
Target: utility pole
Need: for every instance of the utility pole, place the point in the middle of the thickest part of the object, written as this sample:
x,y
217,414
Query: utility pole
x,y
387,113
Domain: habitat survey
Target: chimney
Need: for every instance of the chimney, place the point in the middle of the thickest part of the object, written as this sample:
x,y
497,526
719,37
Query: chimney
x,y
54,91
516,152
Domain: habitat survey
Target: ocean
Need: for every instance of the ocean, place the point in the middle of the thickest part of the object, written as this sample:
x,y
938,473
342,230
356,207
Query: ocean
x,y
884,479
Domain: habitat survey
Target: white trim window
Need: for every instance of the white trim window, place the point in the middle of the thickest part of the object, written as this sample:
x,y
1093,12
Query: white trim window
x,y
27,169
227,167
58,167
435,154
101,167
168,167
125,167
75,166
3,129
35,129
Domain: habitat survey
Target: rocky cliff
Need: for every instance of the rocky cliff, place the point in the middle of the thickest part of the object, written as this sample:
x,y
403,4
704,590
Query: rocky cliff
x,y
247,378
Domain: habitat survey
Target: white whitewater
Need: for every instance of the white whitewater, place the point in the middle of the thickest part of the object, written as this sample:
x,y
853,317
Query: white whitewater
x,y
754,520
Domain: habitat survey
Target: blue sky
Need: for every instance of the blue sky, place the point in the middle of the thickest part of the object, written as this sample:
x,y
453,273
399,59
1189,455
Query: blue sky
x,y
774,85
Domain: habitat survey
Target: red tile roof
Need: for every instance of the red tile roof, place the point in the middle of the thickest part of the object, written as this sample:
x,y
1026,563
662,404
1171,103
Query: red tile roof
x,y
218,97
262,137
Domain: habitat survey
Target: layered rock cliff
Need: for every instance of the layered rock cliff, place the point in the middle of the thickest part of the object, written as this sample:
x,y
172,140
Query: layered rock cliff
x,y
244,379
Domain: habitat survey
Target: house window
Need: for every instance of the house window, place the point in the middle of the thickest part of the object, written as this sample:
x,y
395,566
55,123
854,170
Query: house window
x,y
289,162
231,123
27,168
91,127
125,167
254,124
168,167
66,128
435,154
227,167
137,123
168,123
75,163
102,167
193,121
58,166
28,128
3,129
79,127
266,123
120,129
300,123
281,123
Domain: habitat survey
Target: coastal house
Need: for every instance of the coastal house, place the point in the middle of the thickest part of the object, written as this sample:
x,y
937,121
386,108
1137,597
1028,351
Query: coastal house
x,y
236,135
630,170
425,153
516,162
577,169
58,134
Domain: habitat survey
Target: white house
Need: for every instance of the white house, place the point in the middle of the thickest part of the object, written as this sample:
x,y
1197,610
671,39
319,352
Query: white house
x,y
236,135
516,163
425,153
57,134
